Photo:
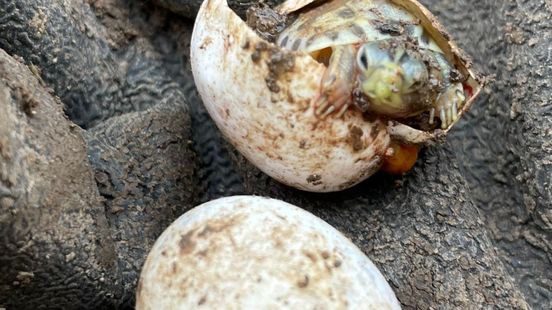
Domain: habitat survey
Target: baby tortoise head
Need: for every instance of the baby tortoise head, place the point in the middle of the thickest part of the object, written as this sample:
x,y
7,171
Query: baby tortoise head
x,y
400,80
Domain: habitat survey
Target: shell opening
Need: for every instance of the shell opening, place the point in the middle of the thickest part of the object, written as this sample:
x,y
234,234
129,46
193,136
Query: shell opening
x,y
270,22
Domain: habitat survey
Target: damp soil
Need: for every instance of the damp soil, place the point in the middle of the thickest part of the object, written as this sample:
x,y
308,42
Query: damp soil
x,y
266,21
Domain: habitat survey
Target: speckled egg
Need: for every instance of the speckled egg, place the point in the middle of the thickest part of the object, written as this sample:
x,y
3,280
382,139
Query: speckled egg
x,y
248,252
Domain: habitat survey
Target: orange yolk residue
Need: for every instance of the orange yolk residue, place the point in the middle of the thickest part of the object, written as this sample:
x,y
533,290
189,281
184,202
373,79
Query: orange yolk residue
x,y
403,158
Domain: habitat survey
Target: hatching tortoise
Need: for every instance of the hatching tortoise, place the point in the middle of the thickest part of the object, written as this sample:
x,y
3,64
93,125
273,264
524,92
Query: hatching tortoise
x,y
379,57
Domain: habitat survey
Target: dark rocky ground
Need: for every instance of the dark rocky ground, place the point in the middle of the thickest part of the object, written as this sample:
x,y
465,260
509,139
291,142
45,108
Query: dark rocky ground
x,y
469,227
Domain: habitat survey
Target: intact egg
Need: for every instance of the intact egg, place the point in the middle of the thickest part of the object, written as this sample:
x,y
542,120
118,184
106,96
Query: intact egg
x,y
248,252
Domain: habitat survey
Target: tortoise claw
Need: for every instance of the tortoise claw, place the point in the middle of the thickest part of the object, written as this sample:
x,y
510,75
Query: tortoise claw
x,y
325,106
447,106
321,105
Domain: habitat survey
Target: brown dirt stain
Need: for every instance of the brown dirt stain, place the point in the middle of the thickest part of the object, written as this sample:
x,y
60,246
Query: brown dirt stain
x,y
355,138
186,243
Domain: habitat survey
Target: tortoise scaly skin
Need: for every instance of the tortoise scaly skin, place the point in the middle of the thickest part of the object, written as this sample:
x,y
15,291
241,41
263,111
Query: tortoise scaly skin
x,y
379,58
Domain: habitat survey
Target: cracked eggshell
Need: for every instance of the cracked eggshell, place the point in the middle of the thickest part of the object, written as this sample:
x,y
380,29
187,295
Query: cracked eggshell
x,y
474,81
456,56
248,252
259,96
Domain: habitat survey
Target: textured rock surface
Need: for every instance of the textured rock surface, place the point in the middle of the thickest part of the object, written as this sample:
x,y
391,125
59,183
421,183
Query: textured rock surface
x,y
431,232
55,241
98,72
144,168
72,235
504,146
189,8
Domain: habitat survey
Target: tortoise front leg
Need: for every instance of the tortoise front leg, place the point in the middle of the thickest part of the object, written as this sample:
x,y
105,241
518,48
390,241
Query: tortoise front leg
x,y
337,83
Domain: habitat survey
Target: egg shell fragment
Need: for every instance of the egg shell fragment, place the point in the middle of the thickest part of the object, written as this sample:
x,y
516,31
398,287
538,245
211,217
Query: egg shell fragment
x,y
260,98
248,252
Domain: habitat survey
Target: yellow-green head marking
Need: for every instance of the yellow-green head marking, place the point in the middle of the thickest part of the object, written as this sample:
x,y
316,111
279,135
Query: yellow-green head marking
x,y
391,79
383,85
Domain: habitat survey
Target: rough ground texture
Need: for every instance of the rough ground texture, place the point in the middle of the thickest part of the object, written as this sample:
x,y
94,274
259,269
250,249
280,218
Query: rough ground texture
x,y
144,168
504,146
55,240
139,166
189,8
146,178
83,60
469,227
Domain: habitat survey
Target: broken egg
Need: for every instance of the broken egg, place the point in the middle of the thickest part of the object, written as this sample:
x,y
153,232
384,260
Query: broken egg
x,y
326,125
248,252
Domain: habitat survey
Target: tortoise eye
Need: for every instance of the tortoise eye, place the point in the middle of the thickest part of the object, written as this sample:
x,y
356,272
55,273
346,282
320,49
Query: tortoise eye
x,y
362,59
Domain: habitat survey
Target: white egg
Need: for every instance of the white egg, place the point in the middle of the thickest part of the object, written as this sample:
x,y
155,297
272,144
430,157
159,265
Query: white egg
x,y
248,252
